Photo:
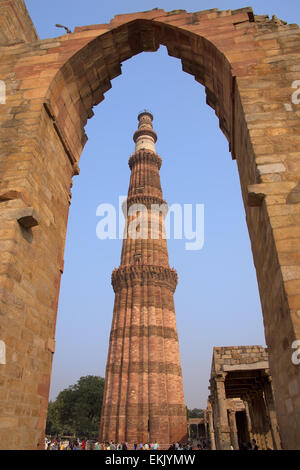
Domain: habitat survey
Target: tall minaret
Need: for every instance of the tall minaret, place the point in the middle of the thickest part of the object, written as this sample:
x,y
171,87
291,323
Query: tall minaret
x,y
143,397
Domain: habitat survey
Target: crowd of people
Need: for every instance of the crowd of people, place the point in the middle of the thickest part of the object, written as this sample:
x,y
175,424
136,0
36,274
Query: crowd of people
x,y
57,443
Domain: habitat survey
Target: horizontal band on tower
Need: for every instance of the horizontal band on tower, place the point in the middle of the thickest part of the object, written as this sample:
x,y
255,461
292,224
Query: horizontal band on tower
x,y
156,298
140,367
144,156
144,331
146,410
127,276
147,201
143,131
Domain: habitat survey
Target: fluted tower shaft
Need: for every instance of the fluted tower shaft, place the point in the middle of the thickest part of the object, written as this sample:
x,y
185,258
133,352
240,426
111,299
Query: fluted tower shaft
x,y
143,397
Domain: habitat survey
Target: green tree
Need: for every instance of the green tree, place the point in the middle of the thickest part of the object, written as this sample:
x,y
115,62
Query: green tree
x,y
52,426
77,409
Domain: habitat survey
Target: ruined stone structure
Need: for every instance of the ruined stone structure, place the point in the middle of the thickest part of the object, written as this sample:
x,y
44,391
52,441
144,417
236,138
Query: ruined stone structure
x,y
143,397
248,65
241,399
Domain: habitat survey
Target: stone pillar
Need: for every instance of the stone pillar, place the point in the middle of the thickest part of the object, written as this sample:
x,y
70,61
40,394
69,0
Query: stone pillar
x,y
265,424
249,423
211,426
205,425
269,399
254,418
260,421
223,426
233,430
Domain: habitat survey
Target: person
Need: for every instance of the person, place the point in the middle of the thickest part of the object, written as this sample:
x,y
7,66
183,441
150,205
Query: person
x,y
172,447
124,446
146,446
155,446
135,446
112,445
254,445
141,446
83,445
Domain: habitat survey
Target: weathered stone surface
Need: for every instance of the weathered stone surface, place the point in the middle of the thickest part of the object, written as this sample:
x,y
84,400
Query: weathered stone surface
x,y
15,23
271,168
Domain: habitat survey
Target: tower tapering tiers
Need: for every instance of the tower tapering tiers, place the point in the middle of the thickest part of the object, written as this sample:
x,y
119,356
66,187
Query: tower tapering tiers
x,y
143,397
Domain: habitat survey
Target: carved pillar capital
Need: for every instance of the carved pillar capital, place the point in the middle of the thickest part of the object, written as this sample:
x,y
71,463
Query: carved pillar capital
x,y
267,375
220,377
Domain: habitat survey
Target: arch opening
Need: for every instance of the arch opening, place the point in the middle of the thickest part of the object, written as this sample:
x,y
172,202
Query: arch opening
x,y
120,159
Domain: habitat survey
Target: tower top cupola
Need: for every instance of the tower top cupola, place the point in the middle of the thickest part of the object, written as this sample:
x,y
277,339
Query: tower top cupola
x,y
145,137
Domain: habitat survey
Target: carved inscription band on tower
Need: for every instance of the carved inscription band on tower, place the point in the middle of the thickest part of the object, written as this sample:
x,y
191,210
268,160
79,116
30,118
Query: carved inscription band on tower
x,y
143,397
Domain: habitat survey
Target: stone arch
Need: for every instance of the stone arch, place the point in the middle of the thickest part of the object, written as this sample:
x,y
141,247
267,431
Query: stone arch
x,y
247,64
81,84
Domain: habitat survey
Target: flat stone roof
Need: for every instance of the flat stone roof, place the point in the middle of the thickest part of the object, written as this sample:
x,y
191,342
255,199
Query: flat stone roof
x,y
233,358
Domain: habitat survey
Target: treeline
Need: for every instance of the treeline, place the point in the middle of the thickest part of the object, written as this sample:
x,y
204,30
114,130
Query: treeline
x,y
195,413
76,410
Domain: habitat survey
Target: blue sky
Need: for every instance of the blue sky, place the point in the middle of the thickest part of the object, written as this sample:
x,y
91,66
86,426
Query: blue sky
x,y
217,300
